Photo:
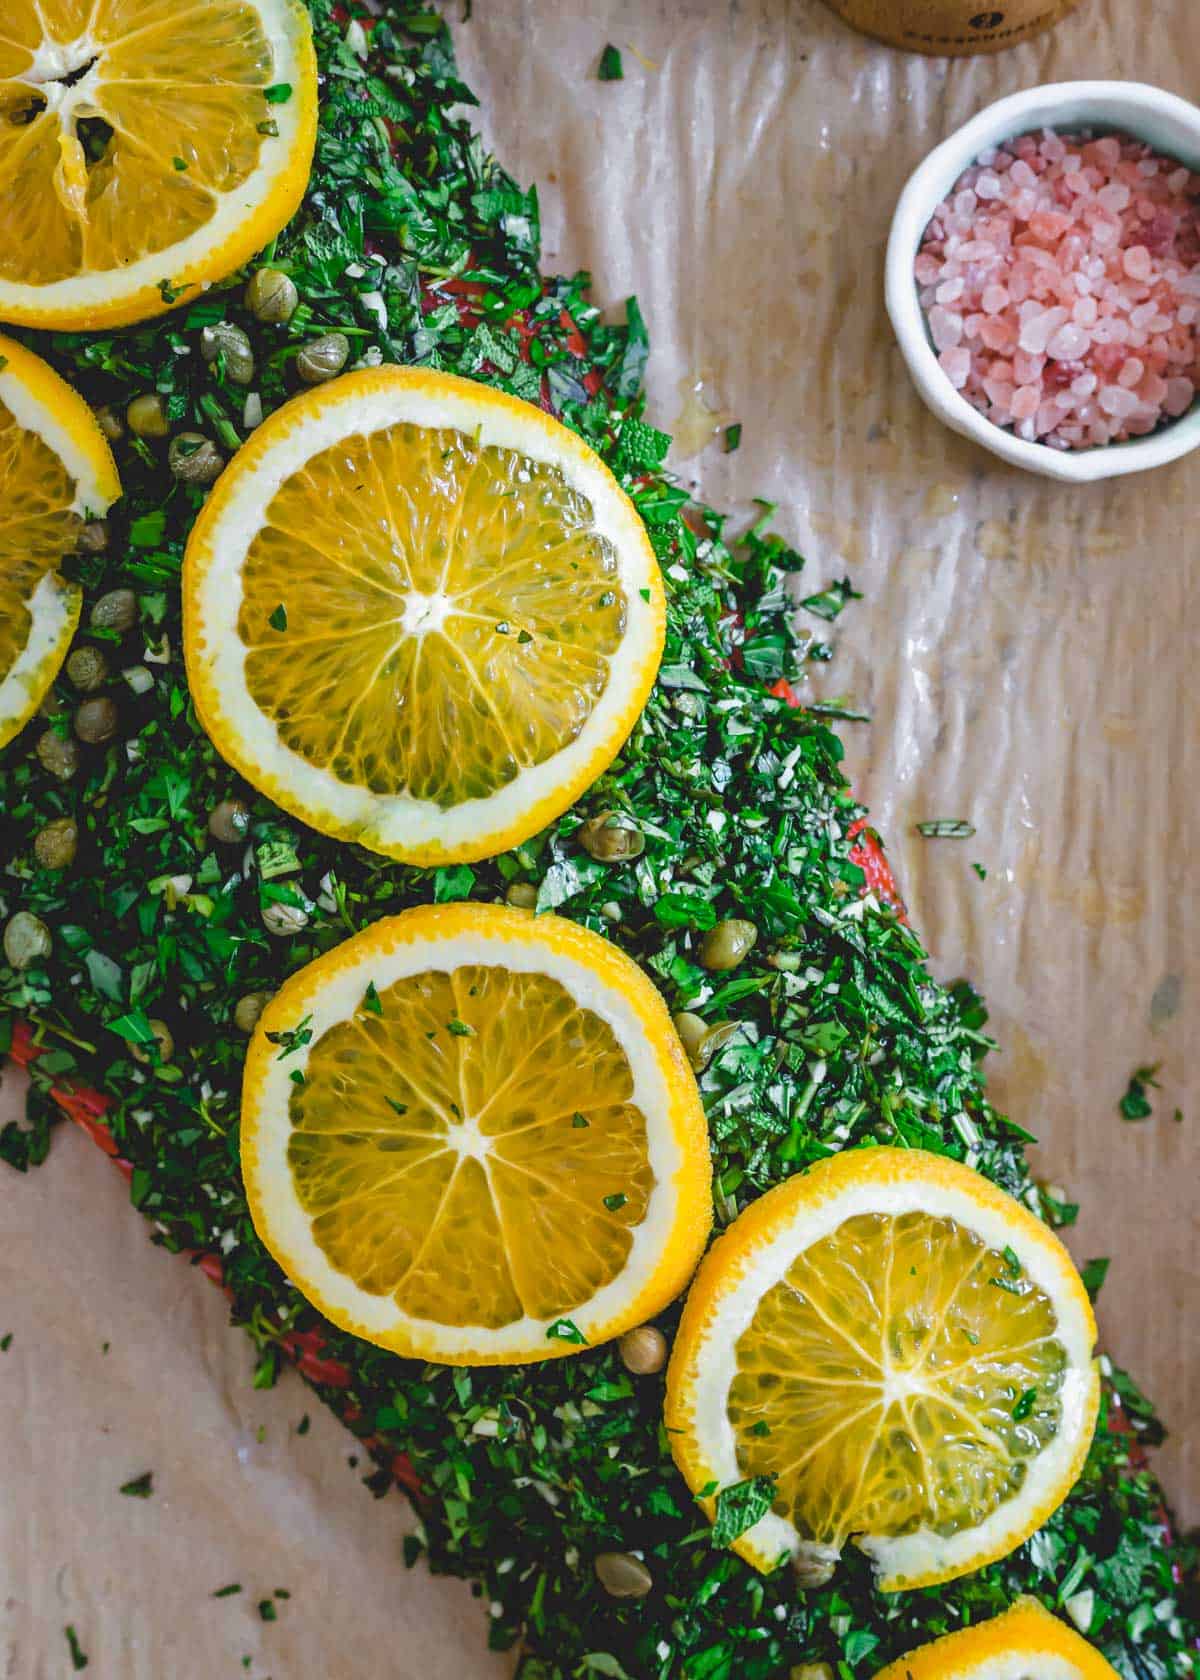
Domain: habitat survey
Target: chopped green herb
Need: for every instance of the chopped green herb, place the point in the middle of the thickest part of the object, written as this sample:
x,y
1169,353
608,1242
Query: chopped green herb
x,y
6,1341
1025,1405
733,437
78,1657
1135,1104
141,1487
460,1029
740,1506
1093,1274
267,1610
616,1201
946,828
229,1591
278,93
278,619
372,1002
611,68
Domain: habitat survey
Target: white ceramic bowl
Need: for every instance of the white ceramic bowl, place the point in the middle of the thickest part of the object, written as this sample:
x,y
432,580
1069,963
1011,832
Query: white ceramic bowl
x,y
1170,124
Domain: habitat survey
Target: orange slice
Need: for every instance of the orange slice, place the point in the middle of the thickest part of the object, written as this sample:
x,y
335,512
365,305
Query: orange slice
x,y
1025,1643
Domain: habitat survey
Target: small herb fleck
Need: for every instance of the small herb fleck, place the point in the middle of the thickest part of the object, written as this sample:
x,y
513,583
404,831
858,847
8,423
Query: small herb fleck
x,y
733,437
278,619
141,1487
78,1656
1135,1104
229,1591
616,1201
372,1002
611,67
1025,1405
946,828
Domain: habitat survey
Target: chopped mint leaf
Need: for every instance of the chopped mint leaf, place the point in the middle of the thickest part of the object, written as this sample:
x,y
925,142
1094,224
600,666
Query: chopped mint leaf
x,y
611,68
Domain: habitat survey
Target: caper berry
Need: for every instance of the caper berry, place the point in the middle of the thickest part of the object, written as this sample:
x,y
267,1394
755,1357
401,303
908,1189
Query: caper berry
x,y
271,297
58,756
700,1039
643,1351
93,537
323,358
284,919
727,944
26,940
814,1567
96,720
110,423
228,821
163,1044
118,610
87,669
147,417
231,343
522,895
55,845
195,459
612,838
622,1575
248,1009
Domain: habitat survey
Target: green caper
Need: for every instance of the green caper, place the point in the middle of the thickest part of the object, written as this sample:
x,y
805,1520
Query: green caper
x,y
522,895
96,720
228,821
195,459
147,417
727,944
58,756
643,1351
814,1567
54,846
622,1575
233,346
283,920
323,358
700,1038
26,940
612,838
118,610
164,1044
87,669
93,537
110,423
271,297
248,1009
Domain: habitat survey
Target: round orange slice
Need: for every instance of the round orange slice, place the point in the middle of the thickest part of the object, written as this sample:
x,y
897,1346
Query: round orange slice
x,y
1025,1643
56,471
420,614
147,148
471,1135
904,1350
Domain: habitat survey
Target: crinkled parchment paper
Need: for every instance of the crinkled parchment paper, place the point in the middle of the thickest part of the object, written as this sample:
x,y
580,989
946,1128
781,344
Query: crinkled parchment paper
x,y
1026,652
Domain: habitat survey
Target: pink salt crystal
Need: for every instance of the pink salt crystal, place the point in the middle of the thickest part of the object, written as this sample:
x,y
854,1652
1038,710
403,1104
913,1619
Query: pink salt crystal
x,y
1049,225
998,333
1052,148
1039,329
1027,368
1115,196
1084,385
994,299
971,327
1048,416
1116,400
1179,397
1108,150
956,365
1152,392
1025,402
1022,175
988,185
927,269
1136,262
1177,182
1069,343
945,327
951,290
1085,312
1131,373
965,203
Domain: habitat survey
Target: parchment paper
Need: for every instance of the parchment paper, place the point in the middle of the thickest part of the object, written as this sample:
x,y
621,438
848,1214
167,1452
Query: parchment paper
x,y
1026,652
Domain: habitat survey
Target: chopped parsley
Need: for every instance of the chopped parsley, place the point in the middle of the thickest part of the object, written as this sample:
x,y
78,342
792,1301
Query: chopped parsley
x,y
141,1487
1135,1104
611,68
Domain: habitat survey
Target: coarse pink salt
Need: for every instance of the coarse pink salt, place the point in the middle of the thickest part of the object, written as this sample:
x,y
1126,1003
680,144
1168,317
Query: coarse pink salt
x,y
1061,283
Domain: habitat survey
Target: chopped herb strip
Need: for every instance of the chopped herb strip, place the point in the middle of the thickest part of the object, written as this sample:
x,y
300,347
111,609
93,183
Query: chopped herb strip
x,y
1093,1274
733,437
1135,1104
980,871
372,1002
267,1610
1025,1405
141,1487
579,1121
1013,1261
616,1201
6,1341
830,602
460,1029
291,1039
523,1471
740,1506
278,619
229,1591
562,1330
303,1427
78,1656
611,67
398,1107
946,828
278,93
